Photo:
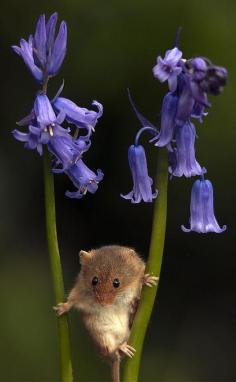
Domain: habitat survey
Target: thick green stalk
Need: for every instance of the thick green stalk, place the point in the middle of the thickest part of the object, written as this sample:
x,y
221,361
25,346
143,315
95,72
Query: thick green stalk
x,y
131,366
63,329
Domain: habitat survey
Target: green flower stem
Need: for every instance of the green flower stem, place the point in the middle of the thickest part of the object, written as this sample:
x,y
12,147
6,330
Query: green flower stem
x,y
131,366
63,329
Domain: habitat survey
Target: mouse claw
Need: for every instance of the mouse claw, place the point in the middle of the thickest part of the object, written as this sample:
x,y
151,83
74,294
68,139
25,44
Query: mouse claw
x,y
149,280
127,349
61,308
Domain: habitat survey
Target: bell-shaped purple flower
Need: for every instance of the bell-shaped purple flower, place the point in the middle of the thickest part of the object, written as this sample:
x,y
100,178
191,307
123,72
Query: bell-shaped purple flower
x,y
67,151
186,163
192,96
216,79
169,68
47,119
202,217
43,124
26,51
84,179
198,112
142,183
44,112
79,116
32,139
185,105
56,47
43,53
197,68
168,112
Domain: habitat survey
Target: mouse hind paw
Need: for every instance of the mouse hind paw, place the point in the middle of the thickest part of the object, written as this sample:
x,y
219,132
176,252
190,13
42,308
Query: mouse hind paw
x,y
127,349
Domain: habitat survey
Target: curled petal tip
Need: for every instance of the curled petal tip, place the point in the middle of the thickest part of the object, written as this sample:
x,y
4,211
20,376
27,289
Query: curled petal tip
x,y
16,49
184,229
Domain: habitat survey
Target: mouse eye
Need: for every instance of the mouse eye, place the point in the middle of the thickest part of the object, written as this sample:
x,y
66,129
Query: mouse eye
x,y
94,281
116,283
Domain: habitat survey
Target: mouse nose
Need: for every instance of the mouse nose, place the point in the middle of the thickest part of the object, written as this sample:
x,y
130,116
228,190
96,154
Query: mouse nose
x,y
104,298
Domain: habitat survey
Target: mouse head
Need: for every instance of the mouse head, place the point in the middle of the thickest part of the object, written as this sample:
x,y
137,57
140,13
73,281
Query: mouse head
x,y
111,274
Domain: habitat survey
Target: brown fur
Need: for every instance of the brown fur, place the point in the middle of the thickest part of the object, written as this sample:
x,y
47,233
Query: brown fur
x,y
107,312
109,263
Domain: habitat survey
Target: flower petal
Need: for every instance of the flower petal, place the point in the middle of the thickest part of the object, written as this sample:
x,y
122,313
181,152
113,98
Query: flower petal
x,y
22,137
44,111
26,52
50,31
168,112
40,40
58,50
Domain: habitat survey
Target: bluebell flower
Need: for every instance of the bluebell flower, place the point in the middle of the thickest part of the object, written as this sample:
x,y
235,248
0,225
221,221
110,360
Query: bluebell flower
x,y
32,139
185,163
202,217
43,111
199,112
209,78
79,116
186,104
168,114
216,79
169,68
42,125
67,151
142,183
84,179
197,68
44,53
46,117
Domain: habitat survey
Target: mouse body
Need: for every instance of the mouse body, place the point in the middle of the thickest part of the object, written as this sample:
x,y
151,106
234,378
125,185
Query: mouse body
x,y
107,292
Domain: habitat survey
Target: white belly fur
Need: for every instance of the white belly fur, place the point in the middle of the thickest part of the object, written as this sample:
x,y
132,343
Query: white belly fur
x,y
109,327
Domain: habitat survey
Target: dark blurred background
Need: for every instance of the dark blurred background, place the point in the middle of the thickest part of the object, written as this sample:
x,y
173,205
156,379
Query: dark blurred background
x,y
113,45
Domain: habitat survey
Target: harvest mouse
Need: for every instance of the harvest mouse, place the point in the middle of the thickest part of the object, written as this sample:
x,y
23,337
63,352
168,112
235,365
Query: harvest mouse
x,y
107,293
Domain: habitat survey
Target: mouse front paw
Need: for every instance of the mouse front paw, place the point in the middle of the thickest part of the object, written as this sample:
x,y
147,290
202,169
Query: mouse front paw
x,y
61,308
127,349
149,280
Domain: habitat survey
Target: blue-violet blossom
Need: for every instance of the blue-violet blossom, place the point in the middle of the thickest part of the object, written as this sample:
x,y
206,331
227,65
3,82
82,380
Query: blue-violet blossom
x,y
66,149
43,124
190,82
185,163
168,68
202,217
79,116
84,179
168,113
142,183
193,80
44,53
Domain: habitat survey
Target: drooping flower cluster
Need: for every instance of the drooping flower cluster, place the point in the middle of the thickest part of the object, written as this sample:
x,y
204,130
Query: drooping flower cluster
x,y
44,54
190,82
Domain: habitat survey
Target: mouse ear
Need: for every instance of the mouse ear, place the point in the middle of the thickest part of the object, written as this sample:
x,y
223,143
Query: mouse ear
x,y
84,257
